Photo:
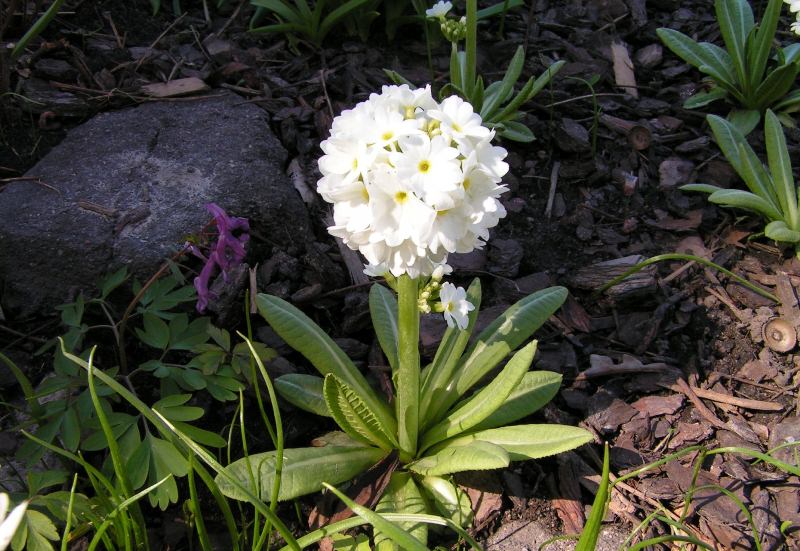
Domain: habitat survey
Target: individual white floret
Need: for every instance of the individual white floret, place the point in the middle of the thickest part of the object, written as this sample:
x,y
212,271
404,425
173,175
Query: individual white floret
x,y
439,10
455,306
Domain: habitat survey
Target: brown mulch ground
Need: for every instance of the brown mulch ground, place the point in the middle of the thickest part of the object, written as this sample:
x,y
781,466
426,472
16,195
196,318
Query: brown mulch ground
x,y
675,358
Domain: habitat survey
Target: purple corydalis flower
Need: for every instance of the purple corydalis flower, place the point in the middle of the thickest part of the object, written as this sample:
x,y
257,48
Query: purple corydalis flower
x,y
227,253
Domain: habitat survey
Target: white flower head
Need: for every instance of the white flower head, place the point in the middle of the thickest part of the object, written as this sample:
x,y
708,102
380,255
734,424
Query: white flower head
x,y
411,180
455,306
439,10
794,5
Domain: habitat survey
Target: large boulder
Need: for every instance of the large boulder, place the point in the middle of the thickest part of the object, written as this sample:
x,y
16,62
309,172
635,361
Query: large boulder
x,y
128,186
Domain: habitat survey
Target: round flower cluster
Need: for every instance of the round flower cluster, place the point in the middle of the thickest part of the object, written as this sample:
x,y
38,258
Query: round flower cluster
x,y
411,180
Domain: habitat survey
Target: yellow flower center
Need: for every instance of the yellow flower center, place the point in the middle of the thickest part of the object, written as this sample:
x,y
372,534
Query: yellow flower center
x,y
400,197
364,193
467,183
449,306
387,136
424,166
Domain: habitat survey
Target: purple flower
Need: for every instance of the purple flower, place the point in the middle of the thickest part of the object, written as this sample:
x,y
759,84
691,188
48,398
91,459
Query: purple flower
x,y
226,254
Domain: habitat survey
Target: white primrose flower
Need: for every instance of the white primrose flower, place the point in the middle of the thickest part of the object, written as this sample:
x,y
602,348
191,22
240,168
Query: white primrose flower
x,y
411,180
794,5
454,305
439,10
10,523
795,27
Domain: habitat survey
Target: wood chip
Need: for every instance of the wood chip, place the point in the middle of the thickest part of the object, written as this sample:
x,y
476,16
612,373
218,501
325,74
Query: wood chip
x,y
623,68
174,88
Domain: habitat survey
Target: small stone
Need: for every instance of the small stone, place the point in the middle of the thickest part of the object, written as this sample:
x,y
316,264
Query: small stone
x,y
220,50
572,137
505,256
55,69
649,56
674,172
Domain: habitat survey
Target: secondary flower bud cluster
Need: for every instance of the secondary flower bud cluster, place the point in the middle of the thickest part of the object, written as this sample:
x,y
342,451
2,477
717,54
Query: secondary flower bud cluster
x,y
411,180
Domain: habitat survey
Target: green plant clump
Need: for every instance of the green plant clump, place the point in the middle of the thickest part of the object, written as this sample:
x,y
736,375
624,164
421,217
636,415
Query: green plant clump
x,y
742,73
773,193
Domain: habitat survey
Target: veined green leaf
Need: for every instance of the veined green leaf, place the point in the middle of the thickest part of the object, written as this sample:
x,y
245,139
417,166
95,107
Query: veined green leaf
x,y
779,231
506,86
352,414
155,333
383,309
780,165
728,139
789,102
703,98
485,402
403,539
515,131
710,60
758,53
756,177
468,456
533,392
776,85
526,441
450,500
303,391
506,333
453,343
744,200
305,336
735,21
304,470
401,496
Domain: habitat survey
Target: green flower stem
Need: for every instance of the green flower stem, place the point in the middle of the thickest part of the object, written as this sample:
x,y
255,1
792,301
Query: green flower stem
x,y
407,377
471,47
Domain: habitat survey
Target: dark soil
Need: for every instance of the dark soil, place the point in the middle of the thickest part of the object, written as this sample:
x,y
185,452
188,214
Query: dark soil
x,y
691,328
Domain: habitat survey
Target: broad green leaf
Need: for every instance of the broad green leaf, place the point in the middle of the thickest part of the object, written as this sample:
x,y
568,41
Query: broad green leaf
x,y
454,341
515,131
173,409
470,456
776,85
505,88
165,460
306,337
336,438
184,335
744,200
155,333
535,390
113,281
35,532
485,402
529,91
401,496
139,465
779,231
304,470
735,21
780,165
450,500
728,139
714,62
71,430
745,120
756,177
303,391
704,188
383,309
527,441
352,414
790,102
393,531
505,334
758,53
701,99
201,436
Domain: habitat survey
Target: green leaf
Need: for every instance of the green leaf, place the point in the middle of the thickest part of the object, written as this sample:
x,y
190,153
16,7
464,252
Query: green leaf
x,y
498,8
779,231
138,465
535,390
383,309
708,58
37,529
389,529
756,177
780,166
505,334
71,430
175,412
303,391
165,461
758,53
735,22
745,120
184,335
485,402
776,85
306,337
701,99
402,496
354,417
451,501
201,436
527,441
155,333
453,343
591,531
283,10
333,17
515,131
728,138
704,188
304,470
113,281
744,200
506,87
469,456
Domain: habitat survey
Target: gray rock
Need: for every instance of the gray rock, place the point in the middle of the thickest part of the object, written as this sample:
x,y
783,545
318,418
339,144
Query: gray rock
x,y
127,187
